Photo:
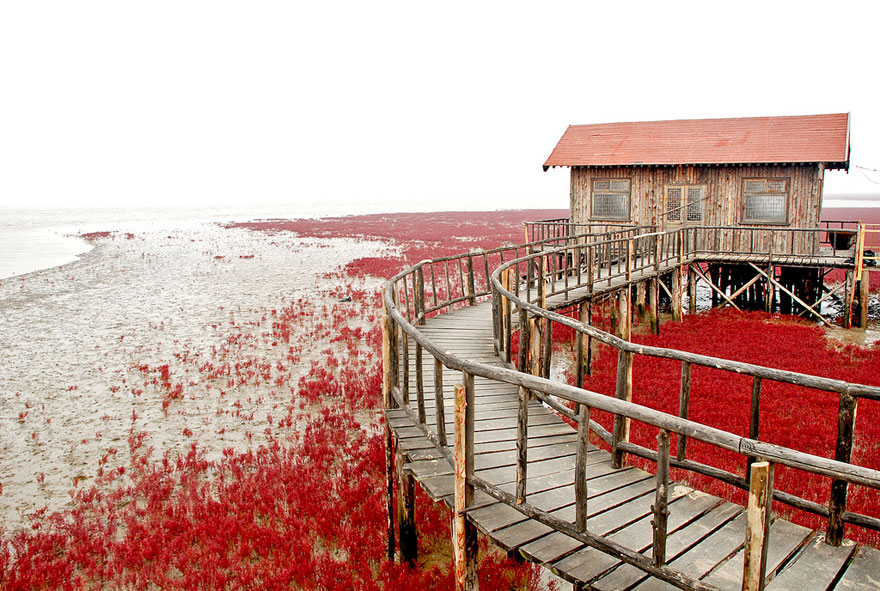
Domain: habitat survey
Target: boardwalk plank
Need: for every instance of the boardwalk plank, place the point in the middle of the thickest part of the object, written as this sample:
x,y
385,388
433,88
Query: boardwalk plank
x,y
815,568
785,538
588,564
862,573
676,543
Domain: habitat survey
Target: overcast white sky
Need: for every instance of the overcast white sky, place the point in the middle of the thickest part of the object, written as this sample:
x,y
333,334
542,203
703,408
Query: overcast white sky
x,y
408,105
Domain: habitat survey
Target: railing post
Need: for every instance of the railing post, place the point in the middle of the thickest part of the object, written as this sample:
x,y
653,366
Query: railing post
x,y
388,353
420,386
508,314
590,270
420,288
754,420
654,304
395,348
433,286
658,245
438,402
623,391
580,468
846,419
497,319
472,298
522,441
660,507
448,282
405,382
629,258
758,526
525,339
684,397
465,543
406,299
529,277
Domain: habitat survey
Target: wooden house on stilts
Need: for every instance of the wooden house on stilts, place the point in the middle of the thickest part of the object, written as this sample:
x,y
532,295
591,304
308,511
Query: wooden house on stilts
x,y
750,189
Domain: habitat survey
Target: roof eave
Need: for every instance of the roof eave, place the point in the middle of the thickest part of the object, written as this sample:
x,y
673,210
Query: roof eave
x,y
828,165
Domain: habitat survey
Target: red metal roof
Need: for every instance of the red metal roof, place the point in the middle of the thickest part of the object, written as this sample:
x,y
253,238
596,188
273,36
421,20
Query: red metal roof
x,y
748,140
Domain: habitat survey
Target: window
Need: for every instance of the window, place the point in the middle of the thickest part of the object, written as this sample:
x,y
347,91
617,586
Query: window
x,y
765,201
684,204
611,199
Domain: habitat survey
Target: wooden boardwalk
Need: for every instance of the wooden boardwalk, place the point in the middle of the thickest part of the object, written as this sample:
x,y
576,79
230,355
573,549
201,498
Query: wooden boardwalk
x,y
705,534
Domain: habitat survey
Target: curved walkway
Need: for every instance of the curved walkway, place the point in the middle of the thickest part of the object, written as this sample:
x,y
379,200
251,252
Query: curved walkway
x,y
705,534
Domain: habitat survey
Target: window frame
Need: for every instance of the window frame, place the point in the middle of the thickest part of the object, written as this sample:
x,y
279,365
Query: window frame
x,y
627,196
785,193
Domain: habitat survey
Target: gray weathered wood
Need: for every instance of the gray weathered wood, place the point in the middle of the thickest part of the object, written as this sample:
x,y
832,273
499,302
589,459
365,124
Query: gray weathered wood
x,y
758,526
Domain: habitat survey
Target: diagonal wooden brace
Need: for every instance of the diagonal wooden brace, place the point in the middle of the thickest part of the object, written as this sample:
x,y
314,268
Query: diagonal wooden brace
x,y
806,307
712,285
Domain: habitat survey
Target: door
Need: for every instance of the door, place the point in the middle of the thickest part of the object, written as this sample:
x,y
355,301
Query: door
x,y
684,206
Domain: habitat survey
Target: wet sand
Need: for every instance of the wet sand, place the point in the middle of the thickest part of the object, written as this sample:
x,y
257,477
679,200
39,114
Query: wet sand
x,y
84,345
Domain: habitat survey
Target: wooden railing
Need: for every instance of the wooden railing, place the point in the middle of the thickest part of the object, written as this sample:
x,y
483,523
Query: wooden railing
x,y
522,279
563,228
833,237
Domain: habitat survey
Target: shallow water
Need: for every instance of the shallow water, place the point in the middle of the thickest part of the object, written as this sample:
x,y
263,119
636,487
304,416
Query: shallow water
x,y
80,346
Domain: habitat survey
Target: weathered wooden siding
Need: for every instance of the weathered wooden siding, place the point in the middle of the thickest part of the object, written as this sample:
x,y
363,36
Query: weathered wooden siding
x,y
724,192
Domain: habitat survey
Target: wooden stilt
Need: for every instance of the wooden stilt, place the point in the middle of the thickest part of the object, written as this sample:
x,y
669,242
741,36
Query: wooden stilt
x,y
654,304
465,533
758,526
676,294
406,520
624,313
714,274
547,348
640,300
388,353
847,309
770,291
582,345
536,340
692,290
864,284
389,487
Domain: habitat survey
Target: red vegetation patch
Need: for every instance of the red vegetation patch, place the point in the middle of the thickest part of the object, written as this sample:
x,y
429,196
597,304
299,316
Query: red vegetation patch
x,y
791,416
420,235
305,510
97,235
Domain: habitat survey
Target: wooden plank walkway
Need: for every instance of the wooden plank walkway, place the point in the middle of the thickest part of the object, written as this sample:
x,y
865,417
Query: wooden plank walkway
x,y
705,534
